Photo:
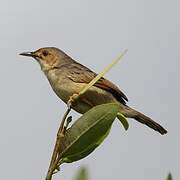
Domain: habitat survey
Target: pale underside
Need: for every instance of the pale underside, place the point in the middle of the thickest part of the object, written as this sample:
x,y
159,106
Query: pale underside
x,y
65,87
94,96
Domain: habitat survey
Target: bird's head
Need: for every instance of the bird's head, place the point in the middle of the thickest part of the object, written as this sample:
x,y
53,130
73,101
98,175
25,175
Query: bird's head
x,y
48,57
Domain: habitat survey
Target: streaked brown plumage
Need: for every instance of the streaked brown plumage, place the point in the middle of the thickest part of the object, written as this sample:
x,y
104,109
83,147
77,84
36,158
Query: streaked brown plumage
x,y
68,77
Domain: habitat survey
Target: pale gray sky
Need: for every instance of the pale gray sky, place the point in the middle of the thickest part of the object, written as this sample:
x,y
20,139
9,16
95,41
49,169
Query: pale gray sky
x,y
93,32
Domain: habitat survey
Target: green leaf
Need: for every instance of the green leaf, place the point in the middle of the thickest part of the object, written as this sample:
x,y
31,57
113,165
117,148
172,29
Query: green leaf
x,y
82,174
88,132
123,120
86,152
169,177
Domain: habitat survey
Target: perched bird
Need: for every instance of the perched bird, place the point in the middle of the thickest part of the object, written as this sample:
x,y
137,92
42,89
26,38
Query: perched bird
x,y
68,77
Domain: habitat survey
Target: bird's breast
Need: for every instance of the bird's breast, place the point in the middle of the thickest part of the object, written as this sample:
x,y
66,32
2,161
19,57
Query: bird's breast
x,y
59,84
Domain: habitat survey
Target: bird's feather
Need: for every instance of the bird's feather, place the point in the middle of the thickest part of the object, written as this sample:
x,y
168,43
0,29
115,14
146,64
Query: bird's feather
x,y
82,74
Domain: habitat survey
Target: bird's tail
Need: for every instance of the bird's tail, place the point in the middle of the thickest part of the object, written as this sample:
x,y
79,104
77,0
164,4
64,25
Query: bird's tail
x,y
131,113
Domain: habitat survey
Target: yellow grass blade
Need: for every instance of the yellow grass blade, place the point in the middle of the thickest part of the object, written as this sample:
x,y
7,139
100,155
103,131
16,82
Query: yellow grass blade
x,y
100,75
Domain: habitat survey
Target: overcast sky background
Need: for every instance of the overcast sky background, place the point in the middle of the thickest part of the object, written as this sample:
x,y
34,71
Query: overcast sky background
x,y
92,32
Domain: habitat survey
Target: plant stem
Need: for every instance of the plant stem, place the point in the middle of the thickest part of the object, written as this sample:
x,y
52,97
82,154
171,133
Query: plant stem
x,y
55,158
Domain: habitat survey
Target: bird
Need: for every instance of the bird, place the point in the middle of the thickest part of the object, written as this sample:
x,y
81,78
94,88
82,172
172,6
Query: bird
x,y
68,77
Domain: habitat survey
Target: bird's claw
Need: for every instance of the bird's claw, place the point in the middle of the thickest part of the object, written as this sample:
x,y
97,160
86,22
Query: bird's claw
x,y
72,100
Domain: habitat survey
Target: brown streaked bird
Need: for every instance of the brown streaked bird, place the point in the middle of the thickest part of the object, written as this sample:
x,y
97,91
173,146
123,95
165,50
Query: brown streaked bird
x,y
68,77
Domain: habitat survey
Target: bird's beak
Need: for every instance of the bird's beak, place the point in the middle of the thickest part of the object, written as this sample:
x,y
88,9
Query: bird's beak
x,y
30,54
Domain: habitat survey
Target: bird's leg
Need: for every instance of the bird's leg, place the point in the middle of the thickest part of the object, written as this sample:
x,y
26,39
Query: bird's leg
x,y
70,103
72,100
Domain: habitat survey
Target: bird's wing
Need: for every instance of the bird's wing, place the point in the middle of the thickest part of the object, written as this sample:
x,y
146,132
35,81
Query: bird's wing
x,y
82,74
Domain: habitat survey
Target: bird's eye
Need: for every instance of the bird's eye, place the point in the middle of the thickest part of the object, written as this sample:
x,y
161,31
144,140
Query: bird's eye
x,y
45,53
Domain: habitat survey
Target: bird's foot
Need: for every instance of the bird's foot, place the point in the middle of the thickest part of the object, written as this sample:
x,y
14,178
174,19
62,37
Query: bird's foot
x,y
72,100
